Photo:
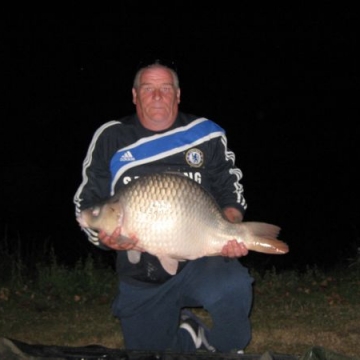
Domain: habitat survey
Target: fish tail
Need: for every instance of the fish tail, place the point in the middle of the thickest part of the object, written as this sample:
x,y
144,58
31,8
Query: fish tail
x,y
263,238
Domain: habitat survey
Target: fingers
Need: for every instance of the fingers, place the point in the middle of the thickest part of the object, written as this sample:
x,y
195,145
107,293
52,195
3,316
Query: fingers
x,y
234,249
112,241
117,242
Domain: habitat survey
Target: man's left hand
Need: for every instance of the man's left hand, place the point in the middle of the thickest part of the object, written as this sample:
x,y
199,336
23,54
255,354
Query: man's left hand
x,y
234,249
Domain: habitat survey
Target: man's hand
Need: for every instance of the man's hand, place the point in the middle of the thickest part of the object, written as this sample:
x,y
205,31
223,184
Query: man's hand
x,y
234,249
233,215
116,242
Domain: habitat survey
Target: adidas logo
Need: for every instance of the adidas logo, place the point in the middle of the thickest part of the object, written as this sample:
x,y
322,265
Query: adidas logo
x,y
127,156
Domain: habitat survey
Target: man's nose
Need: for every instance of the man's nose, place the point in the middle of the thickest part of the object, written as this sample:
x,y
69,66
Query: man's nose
x,y
157,94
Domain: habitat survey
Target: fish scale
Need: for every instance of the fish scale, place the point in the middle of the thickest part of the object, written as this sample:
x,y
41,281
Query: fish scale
x,y
175,219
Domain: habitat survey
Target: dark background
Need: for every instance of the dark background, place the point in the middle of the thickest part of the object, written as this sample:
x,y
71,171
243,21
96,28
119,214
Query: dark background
x,y
281,79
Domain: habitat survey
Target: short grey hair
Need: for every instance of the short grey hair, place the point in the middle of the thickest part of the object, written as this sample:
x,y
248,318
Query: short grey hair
x,y
175,77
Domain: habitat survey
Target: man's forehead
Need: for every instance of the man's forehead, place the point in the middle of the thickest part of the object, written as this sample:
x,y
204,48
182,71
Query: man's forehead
x,y
144,83
156,82
156,74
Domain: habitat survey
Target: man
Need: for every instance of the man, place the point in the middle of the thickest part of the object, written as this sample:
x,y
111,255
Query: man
x,y
153,306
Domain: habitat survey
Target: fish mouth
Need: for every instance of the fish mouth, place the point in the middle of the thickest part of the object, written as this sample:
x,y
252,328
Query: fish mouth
x,y
95,211
91,214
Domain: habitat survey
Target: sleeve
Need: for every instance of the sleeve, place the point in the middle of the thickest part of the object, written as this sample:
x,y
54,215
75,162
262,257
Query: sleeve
x,y
226,177
96,175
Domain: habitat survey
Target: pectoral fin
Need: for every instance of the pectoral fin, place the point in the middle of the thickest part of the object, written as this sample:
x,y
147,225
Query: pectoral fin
x,y
134,256
169,264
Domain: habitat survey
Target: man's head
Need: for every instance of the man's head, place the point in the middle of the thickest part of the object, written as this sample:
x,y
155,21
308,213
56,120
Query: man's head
x,y
156,95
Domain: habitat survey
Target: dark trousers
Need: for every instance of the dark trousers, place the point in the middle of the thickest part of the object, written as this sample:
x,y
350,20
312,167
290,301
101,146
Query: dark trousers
x,y
149,316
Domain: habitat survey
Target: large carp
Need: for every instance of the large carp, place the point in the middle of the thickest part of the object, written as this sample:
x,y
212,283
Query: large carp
x,y
175,219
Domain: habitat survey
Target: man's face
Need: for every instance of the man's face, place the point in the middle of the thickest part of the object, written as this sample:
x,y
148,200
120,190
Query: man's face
x,y
156,99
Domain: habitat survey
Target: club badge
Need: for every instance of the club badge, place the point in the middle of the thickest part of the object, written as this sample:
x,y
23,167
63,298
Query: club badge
x,y
194,157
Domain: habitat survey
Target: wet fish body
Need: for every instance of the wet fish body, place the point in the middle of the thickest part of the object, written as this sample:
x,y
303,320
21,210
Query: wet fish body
x,y
175,219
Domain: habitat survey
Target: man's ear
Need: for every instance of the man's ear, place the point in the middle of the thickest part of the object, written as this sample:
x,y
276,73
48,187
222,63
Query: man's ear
x,y
134,95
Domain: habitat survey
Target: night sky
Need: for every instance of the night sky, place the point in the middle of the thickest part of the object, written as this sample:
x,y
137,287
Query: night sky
x,y
281,80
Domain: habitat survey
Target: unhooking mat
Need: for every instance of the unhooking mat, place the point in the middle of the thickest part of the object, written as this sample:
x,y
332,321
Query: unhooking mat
x,y
11,349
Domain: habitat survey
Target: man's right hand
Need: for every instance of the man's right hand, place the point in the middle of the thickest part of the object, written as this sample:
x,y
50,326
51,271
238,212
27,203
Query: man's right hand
x,y
116,242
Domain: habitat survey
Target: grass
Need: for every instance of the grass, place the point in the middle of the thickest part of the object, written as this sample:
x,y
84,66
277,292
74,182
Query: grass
x,y
293,312
49,303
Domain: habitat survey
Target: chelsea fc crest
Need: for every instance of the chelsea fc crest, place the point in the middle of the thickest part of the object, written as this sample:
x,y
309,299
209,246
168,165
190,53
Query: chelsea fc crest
x,y
194,157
